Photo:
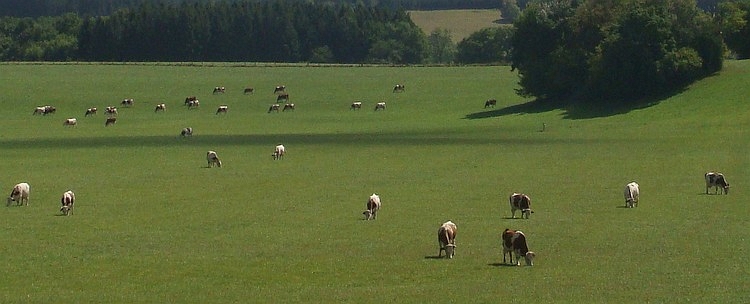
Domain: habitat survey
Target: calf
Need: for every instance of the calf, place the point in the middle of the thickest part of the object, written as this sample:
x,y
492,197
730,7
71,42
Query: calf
x,y
70,122
222,109
447,239
288,106
373,205
278,152
520,201
516,241
380,106
19,194
110,121
90,111
186,132
67,201
490,103
160,107
273,108
632,192
356,105
213,159
716,180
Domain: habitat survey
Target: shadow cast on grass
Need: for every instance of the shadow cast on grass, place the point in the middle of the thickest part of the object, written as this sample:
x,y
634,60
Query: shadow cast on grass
x,y
434,257
496,264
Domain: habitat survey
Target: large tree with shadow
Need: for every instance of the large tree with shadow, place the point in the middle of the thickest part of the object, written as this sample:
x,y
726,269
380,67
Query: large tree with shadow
x,y
611,50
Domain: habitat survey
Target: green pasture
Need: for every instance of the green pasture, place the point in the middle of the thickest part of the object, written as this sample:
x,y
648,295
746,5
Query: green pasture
x,y
152,224
461,23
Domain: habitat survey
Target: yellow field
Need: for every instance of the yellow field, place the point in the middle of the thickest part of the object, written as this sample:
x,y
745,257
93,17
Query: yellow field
x,y
461,23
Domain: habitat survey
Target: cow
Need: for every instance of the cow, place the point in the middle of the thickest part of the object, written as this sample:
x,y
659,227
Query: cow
x,y
398,88
160,107
279,89
288,106
520,201
490,103
515,241
193,104
716,180
447,239
373,205
90,111
19,194
186,132
127,102
273,107
219,90
356,105
278,152
67,201
38,111
249,90
110,110
222,109
213,159
282,97
44,110
380,106
632,192
110,121
189,99
70,122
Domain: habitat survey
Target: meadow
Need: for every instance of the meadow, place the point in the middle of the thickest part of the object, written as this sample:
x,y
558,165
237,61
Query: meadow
x,y
460,23
153,224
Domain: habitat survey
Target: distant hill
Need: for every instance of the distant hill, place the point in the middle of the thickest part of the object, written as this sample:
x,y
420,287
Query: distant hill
x,y
461,23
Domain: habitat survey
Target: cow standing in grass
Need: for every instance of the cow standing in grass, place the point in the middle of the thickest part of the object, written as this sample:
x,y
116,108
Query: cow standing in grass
x,y
490,103
279,89
70,122
274,108
356,105
380,106
222,109
716,180
67,201
520,201
632,194
110,121
160,107
399,88
186,132
19,194
213,159
90,111
288,106
219,90
373,205
249,90
278,152
515,241
447,239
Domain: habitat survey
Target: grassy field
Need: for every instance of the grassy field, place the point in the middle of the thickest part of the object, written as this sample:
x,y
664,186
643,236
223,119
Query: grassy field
x,y
153,224
461,23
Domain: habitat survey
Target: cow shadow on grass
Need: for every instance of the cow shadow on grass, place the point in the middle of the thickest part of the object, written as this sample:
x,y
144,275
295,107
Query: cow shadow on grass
x,y
496,264
434,257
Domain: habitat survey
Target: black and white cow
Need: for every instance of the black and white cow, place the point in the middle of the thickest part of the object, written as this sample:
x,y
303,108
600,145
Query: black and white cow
x,y
716,180
90,111
288,106
127,102
67,201
186,132
373,205
213,159
160,107
274,108
520,201
279,89
222,109
219,90
380,106
490,103
110,121
356,105
399,88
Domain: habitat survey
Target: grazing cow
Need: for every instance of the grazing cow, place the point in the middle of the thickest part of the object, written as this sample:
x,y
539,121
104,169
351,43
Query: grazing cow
x,y
49,110
447,239
193,104
716,180
249,90
186,132
288,106
38,110
632,192
111,110
67,201
279,89
490,103
110,121
70,122
219,90
356,105
380,106
273,107
282,97
90,111
189,99
516,242
127,102
278,152
373,205
520,201
160,107
399,88
19,194
222,109
213,159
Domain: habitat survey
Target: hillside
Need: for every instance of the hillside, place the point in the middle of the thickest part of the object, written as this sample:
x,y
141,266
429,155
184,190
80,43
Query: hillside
x,y
461,23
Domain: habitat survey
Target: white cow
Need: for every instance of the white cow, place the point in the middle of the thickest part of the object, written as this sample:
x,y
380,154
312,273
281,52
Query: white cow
x,y
716,180
70,122
520,201
213,159
67,201
373,205
279,151
20,194
632,192
447,239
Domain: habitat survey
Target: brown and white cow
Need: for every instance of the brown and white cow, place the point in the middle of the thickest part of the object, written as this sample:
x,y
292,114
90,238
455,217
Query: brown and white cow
x,y
520,201
716,180
213,159
447,239
373,205
380,106
19,194
514,242
632,193
279,89
110,121
90,111
278,152
356,105
70,122
222,109
490,103
288,106
160,107
398,88
274,108
219,90
67,201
